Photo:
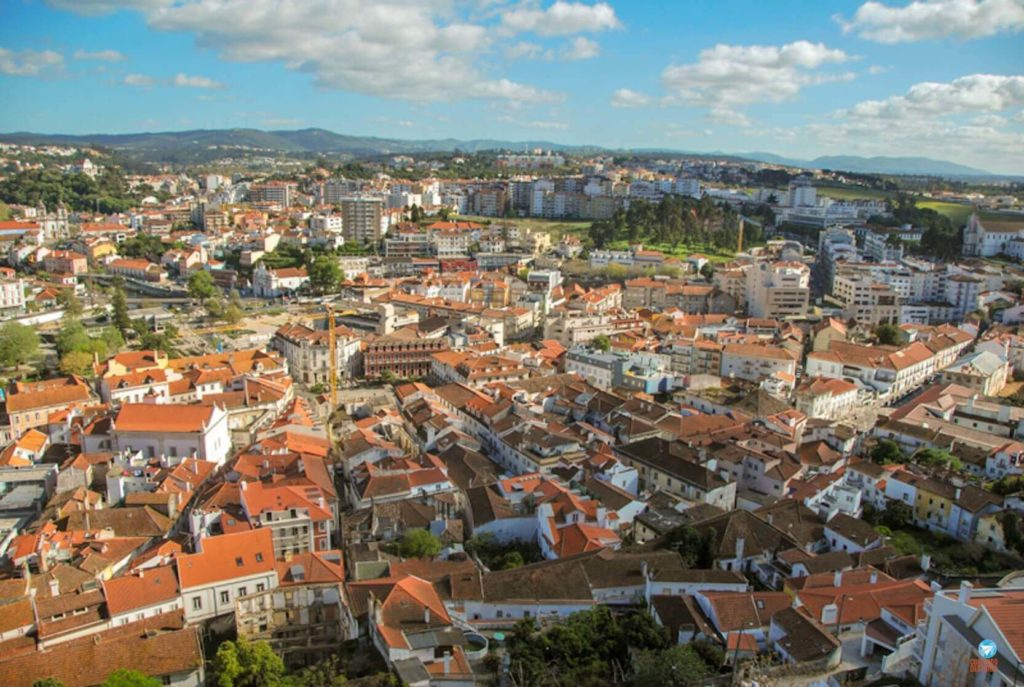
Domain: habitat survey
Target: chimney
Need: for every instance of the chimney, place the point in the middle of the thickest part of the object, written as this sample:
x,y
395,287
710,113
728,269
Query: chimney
x,y
447,662
926,561
965,592
739,547
55,587
426,615
243,485
771,518
958,492
837,579
643,569
874,577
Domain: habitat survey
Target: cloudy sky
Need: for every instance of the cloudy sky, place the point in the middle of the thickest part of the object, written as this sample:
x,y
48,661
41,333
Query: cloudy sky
x,y
937,78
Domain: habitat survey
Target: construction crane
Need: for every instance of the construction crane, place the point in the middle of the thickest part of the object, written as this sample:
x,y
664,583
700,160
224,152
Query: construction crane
x,y
332,355
739,238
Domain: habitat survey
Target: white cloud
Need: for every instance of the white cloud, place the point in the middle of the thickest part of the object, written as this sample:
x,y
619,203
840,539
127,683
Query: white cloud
x,y
101,55
580,48
189,81
723,115
30,62
924,19
877,69
729,75
973,93
524,50
140,80
561,19
402,49
625,97
281,121
510,90
989,120
532,123
965,120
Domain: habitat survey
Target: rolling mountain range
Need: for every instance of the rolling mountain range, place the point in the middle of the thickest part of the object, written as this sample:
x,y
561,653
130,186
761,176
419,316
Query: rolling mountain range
x,y
180,146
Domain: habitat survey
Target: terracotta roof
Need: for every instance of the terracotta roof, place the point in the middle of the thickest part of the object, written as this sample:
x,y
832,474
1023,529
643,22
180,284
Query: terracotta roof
x,y
174,418
227,557
56,392
141,590
162,653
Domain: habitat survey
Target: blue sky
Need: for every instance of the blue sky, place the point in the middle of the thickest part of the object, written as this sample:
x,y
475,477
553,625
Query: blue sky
x,y
937,78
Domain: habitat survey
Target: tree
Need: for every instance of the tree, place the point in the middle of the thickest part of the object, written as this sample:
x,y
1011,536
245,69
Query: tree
x,y
129,678
419,543
687,542
937,458
887,451
326,673
242,663
896,515
324,275
76,363
233,314
70,303
72,337
590,648
122,320
48,682
1012,534
707,270
201,286
18,344
113,340
601,343
888,334
678,665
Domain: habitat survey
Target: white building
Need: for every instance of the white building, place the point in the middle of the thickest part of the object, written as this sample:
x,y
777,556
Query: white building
x,y
168,430
949,640
267,283
225,568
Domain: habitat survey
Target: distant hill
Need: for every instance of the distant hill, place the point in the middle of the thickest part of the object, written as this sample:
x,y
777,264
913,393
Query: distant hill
x,y
185,146
301,140
873,165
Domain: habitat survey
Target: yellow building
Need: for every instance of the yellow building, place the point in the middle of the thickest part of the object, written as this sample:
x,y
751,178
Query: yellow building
x,y
990,531
934,503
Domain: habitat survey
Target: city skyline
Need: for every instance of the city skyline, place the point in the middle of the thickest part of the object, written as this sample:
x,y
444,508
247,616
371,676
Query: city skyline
x,y
937,79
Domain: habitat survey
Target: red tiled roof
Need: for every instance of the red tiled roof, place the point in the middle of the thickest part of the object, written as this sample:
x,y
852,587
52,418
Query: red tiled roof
x,y
147,417
140,590
227,557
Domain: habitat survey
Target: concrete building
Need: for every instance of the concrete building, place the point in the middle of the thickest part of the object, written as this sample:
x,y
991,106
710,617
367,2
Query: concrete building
x,y
777,289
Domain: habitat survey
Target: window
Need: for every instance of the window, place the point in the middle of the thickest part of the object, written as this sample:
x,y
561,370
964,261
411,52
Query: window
x,y
197,603
501,614
238,561
225,597
260,586
242,591
259,557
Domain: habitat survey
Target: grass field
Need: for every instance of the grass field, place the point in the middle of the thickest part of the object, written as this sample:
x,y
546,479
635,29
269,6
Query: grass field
x,y
556,227
715,255
959,212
